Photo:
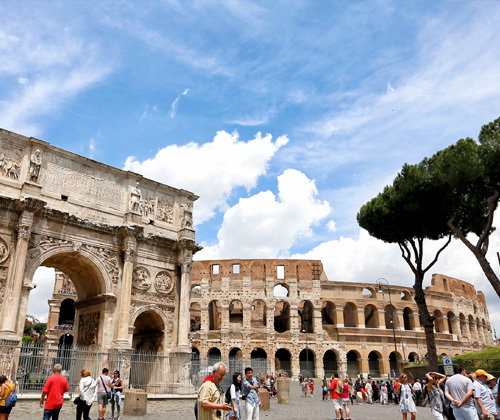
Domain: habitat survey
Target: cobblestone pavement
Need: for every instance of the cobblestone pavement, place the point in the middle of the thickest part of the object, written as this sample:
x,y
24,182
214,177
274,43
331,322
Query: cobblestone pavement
x,y
299,408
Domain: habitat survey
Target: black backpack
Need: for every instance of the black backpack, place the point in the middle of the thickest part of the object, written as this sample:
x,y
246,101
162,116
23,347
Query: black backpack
x,y
228,395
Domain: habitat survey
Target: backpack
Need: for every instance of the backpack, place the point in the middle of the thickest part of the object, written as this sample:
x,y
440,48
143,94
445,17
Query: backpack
x,y
11,399
340,386
228,395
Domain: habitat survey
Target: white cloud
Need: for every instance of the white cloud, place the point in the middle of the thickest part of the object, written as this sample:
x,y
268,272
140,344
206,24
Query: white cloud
x,y
213,169
38,305
331,226
22,81
253,121
175,104
390,89
266,226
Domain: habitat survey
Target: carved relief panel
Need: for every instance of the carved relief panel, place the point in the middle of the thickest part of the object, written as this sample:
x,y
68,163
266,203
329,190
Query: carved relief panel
x,y
163,282
141,279
88,327
11,157
4,250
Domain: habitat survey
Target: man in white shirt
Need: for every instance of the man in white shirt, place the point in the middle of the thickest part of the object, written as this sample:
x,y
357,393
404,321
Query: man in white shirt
x,y
417,387
485,403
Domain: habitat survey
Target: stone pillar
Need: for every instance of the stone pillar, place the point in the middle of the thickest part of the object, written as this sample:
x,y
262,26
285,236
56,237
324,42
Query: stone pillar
x,y
183,329
283,391
13,285
381,319
340,317
364,366
416,322
361,318
125,296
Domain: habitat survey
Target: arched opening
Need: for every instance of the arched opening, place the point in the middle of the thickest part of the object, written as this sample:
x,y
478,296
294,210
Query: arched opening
x,y
368,292
149,332
353,363
236,312
306,314
282,317
67,313
405,295
283,362
394,364
408,319
306,362
214,356
64,351
330,363
391,317
371,317
258,361
463,326
258,314
281,290
374,364
195,316
451,317
438,321
413,357
472,329
350,315
236,360
328,313
214,314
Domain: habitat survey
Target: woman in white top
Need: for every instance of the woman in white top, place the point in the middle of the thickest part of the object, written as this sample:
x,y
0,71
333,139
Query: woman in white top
x,y
405,393
235,391
88,389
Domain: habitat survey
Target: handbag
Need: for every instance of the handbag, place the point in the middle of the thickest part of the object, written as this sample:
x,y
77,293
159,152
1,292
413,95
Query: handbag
x,y
11,399
78,399
108,393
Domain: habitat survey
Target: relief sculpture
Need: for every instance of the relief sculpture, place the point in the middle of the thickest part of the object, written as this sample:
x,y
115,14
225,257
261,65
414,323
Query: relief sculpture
x,y
35,165
163,282
141,279
135,198
10,161
4,251
165,211
88,326
187,215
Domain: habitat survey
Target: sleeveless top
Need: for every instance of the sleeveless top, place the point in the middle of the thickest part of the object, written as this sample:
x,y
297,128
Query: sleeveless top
x,y
436,398
9,387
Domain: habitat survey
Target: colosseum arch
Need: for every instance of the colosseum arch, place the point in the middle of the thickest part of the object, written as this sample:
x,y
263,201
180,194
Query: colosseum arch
x,y
391,317
375,364
283,361
328,313
236,312
307,362
330,362
195,316
408,320
350,315
353,363
282,316
214,315
371,316
258,317
306,314
439,321
451,319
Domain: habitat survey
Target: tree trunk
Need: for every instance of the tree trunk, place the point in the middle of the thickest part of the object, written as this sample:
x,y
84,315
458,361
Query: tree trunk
x,y
428,320
488,271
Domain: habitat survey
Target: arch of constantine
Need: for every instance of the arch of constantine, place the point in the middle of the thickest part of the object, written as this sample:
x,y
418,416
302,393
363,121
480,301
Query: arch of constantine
x,y
126,243
287,315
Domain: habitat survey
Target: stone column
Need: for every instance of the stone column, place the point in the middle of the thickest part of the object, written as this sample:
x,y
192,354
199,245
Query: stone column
x,y
361,318
13,285
125,297
183,329
340,317
381,319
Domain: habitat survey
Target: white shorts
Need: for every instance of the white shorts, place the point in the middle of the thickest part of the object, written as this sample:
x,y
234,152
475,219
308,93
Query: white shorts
x,y
337,404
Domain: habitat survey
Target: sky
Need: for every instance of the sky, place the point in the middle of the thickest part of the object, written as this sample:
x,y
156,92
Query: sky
x,y
285,117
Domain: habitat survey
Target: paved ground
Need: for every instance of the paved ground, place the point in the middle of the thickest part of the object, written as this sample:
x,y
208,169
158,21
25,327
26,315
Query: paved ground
x,y
300,409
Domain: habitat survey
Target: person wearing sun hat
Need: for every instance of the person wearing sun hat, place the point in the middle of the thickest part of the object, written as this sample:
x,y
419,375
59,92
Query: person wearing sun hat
x,y
485,403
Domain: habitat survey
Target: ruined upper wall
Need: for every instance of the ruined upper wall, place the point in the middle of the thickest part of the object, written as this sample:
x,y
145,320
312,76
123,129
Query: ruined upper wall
x,y
88,189
258,269
457,287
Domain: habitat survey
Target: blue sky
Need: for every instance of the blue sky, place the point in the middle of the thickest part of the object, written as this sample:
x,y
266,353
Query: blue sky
x,y
342,92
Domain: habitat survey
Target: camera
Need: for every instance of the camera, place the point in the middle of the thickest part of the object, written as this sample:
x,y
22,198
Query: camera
x,y
218,413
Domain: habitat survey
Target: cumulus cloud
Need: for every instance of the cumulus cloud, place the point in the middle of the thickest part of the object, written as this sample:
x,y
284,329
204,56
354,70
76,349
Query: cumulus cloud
x,y
22,81
331,226
38,305
213,169
266,226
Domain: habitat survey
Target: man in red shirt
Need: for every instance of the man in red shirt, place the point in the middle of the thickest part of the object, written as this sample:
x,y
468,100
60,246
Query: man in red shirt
x,y
336,397
54,390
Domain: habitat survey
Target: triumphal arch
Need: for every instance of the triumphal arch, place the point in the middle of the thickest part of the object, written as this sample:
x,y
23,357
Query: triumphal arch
x,y
125,242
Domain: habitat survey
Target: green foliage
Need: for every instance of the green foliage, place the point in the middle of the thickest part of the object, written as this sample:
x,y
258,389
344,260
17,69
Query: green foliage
x,y
40,328
27,328
27,339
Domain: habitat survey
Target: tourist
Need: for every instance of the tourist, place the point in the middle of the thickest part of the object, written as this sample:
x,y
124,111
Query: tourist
x,y
345,399
405,393
483,394
6,388
235,393
103,392
304,387
325,389
383,394
359,395
336,390
375,388
54,389
459,391
274,391
417,388
87,390
211,402
311,387
250,390
369,391
116,394
435,393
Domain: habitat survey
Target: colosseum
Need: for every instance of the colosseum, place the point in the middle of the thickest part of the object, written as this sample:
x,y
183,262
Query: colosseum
x,y
289,317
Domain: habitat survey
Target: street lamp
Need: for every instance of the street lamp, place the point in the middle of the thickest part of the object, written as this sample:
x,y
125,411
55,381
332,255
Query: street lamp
x,y
304,330
383,282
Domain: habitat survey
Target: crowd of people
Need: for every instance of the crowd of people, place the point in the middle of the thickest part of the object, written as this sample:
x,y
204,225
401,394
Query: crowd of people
x,y
462,396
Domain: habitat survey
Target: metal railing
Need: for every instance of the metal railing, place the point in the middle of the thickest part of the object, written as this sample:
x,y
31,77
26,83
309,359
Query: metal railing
x,y
155,373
